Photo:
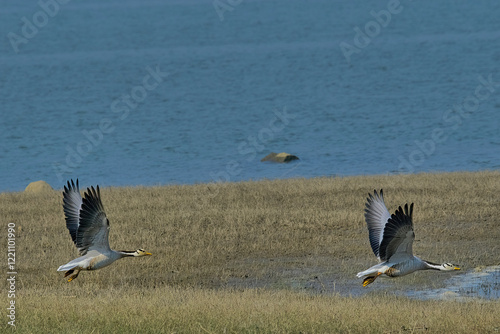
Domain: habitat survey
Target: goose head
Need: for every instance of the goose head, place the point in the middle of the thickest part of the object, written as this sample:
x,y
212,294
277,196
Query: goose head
x,y
141,252
448,267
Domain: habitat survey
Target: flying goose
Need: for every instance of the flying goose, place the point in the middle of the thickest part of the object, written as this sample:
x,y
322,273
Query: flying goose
x,y
89,230
391,238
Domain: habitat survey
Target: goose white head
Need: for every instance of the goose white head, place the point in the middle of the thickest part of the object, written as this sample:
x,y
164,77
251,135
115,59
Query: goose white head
x,y
448,267
141,252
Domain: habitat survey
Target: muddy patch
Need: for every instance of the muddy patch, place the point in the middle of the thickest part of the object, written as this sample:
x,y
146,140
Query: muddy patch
x,y
321,275
315,275
479,283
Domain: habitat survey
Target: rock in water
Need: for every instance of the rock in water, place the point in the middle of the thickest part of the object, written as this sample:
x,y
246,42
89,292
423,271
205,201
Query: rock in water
x,y
280,157
38,187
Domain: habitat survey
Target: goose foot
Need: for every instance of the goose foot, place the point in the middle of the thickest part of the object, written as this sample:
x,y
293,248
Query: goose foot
x,y
73,276
370,279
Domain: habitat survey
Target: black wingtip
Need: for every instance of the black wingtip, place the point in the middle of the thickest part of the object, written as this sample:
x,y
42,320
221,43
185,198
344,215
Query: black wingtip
x,y
401,213
72,185
376,194
92,194
408,212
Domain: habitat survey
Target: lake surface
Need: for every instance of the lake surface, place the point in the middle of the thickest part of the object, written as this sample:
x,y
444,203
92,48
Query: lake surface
x,y
181,92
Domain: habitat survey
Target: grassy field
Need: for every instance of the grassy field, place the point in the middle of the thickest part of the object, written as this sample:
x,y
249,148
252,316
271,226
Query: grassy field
x,y
255,257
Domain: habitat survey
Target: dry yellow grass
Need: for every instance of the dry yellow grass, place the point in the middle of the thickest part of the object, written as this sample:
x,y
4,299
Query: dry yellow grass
x,y
267,256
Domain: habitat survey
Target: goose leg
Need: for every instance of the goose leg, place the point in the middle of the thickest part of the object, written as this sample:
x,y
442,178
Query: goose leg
x,y
370,279
73,272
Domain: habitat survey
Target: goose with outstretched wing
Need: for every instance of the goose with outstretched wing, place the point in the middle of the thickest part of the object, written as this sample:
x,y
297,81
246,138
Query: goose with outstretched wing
x,y
391,239
89,229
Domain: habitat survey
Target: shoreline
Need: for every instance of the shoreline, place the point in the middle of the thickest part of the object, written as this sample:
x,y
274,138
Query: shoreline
x,y
431,173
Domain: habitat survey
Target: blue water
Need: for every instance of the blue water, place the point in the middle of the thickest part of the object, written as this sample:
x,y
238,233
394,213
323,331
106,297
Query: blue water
x,y
221,80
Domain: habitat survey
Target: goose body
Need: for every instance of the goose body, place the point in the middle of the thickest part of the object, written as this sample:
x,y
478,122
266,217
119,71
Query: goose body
x,y
89,229
391,239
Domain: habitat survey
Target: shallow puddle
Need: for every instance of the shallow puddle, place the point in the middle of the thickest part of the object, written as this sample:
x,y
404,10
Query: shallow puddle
x,y
484,283
318,276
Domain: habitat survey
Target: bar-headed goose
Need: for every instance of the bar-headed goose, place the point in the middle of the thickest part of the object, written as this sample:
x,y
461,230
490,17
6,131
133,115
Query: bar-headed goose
x,y
391,238
89,229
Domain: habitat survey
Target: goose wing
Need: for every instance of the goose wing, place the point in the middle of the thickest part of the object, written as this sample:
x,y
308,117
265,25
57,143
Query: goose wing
x,y
398,237
93,230
72,203
376,216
